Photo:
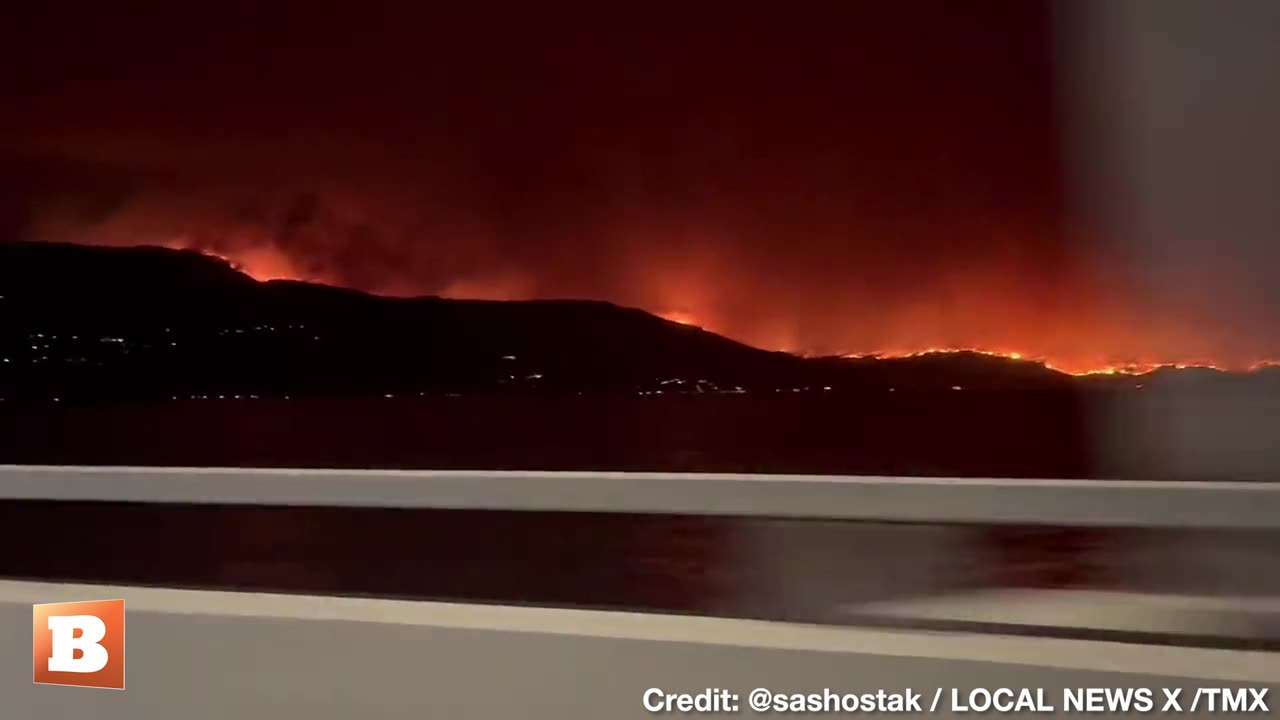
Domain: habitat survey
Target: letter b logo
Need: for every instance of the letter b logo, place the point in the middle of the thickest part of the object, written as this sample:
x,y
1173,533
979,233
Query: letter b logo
x,y
79,643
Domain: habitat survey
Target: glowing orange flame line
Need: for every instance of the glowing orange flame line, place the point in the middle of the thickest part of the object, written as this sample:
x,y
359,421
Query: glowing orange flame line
x,y
685,318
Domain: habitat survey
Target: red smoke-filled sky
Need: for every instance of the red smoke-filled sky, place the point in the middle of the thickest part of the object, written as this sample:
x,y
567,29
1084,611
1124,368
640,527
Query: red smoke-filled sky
x,y
1092,187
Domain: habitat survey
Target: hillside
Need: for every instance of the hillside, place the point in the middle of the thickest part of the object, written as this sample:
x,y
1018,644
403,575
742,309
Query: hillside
x,y
91,323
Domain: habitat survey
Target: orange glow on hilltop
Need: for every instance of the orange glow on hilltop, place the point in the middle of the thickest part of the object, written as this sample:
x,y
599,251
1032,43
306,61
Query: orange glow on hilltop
x,y
677,316
1067,367
260,264
265,263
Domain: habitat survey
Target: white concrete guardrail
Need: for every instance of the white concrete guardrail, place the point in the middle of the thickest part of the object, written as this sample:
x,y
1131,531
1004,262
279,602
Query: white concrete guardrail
x,y
1137,504
209,654
214,655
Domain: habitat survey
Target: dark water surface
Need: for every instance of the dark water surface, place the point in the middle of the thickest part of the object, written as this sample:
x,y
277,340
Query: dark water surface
x,y
930,434
987,434
759,567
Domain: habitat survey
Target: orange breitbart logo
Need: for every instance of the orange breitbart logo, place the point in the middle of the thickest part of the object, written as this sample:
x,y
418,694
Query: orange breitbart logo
x,y
79,643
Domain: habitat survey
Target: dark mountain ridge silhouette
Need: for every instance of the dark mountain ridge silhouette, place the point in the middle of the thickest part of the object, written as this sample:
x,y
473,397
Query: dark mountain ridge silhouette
x,y
83,323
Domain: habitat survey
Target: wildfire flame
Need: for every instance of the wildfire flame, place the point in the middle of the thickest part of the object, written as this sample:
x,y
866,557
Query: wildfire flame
x,y
265,264
261,265
680,317
1135,368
